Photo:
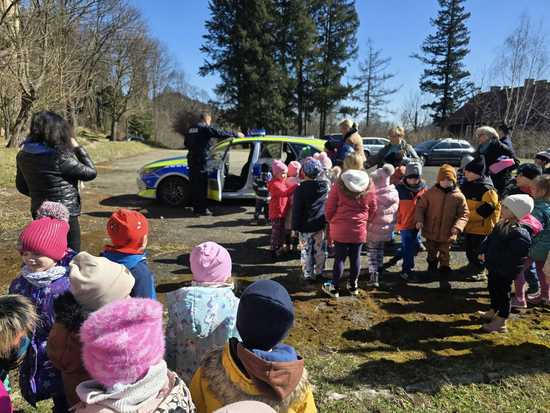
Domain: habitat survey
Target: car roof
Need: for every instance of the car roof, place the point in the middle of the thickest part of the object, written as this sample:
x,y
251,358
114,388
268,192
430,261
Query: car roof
x,y
275,138
375,137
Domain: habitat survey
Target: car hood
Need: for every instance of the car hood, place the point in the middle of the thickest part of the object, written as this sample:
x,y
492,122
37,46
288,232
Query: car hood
x,y
161,163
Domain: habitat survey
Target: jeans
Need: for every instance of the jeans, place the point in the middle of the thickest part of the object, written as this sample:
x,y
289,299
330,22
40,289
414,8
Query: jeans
x,y
409,248
341,252
73,237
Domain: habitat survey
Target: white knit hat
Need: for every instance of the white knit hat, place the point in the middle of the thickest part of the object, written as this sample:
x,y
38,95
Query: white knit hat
x,y
355,180
519,205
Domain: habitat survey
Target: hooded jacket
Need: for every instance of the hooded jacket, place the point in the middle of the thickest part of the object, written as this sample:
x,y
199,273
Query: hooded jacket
x,y
408,198
280,192
47,174
383,213
308,214
483,204
222,379
541,242
492,151
200,319
506,252
440,210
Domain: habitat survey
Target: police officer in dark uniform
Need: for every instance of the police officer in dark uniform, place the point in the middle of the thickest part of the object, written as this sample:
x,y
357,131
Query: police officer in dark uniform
x,y
198,141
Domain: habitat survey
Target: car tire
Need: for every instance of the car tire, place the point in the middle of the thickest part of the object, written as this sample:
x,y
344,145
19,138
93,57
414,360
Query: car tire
x,y
174,191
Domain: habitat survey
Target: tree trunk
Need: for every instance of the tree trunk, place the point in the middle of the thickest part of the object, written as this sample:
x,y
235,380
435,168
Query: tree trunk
x,y
114,124
16,133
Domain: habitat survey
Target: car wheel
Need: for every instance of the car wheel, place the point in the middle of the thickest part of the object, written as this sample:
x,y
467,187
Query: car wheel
x,y
174,191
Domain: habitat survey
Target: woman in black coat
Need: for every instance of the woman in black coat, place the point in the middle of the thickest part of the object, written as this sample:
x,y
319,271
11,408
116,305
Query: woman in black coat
x,y
49,166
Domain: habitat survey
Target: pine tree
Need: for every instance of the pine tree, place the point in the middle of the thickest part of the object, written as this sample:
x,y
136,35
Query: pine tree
x,y
372,89
337,23
240,46
443,53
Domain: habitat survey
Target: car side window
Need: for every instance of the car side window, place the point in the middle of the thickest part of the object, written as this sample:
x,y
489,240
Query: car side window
x,y
442,146
271,150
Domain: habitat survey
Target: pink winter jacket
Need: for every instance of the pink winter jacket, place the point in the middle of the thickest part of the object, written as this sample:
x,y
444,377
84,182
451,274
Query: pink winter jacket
x,y
383,213
347,216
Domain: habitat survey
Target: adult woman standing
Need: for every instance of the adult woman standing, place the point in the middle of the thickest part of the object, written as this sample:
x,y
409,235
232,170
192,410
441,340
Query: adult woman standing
x,y
394,152
49,166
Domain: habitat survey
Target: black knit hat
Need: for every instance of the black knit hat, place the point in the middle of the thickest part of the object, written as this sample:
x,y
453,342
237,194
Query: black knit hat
x,y
265,315
477,166
529,170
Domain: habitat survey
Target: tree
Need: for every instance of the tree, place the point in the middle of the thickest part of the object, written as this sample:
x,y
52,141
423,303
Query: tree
x,y
240,46
337,23
372,90
413,113
445,76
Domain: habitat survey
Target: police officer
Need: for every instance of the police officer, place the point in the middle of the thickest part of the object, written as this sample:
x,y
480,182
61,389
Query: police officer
x,y
198,141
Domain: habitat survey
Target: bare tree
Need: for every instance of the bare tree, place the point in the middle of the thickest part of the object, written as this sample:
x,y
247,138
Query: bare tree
x,y
373,92
413,114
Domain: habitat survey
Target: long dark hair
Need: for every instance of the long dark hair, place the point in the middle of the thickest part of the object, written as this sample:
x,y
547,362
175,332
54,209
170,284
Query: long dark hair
x,y
51,129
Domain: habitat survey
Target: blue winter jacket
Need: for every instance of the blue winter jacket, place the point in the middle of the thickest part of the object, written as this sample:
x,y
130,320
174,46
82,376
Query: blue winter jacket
x,y
144,286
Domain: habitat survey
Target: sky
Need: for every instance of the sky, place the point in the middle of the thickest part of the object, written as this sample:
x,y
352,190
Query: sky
x,y
398,27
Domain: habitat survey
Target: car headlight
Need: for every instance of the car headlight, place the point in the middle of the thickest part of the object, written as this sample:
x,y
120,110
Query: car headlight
x,y
147,170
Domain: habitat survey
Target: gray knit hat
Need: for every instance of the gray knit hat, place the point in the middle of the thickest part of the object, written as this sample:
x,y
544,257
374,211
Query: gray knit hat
x,y
413,168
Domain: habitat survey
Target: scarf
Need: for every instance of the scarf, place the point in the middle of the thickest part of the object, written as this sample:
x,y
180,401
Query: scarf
x,y
128,260
414,188
43,279
126,398
484,146
279,353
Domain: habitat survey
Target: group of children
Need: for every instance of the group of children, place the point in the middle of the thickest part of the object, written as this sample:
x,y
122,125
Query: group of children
x,y
87,332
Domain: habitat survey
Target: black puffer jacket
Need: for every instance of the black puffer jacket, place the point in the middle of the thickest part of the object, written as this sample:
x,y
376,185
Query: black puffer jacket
x,y
308,208
46,174
506,252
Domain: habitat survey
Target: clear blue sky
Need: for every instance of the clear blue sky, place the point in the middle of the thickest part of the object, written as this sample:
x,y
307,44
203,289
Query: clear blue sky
x,y
396,26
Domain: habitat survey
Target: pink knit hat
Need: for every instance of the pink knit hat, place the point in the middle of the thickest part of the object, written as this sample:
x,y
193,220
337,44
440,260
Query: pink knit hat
x,y
210,262
381,177
122,340
324,159
294,168
278,168
47,235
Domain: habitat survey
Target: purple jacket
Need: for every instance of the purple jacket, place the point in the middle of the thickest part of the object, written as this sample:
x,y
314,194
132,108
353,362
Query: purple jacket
x,y
382,221
38,379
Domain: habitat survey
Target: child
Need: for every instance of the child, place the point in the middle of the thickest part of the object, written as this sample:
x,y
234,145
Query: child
x,y
410,190
541,243
326,163
95,282
280,192
309,219
484,207
201,317
17,322
524,182
293,179
43,278
262,193
347,212
128,232
505,252
382,218
123,349
461,179
441,215
542,160
259,367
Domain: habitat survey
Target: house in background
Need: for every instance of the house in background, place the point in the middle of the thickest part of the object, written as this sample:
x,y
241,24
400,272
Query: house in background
x,y
525,107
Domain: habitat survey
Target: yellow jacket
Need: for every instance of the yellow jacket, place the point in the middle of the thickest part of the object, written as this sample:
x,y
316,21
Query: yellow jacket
x,y
484,206
219,382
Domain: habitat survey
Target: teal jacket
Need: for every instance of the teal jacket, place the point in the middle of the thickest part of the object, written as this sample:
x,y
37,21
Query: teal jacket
x,y
541,243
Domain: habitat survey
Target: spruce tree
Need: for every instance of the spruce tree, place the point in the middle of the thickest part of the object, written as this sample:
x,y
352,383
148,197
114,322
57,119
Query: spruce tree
x,y
337,23
373,92
443,53
240,46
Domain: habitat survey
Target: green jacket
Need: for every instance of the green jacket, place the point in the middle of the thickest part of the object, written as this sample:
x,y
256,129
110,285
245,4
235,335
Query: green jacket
x,y
541,243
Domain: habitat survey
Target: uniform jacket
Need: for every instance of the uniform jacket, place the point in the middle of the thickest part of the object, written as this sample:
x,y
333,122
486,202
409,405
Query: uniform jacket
x,y
46,174
308,213
38,378
198,141
200,319
541,242
441,210
408,198
347,214
483,204
221,381
280,192
64,347
383,213
506,253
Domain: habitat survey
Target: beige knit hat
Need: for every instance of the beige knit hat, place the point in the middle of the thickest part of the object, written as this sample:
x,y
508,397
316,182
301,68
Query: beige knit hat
x,y
96,281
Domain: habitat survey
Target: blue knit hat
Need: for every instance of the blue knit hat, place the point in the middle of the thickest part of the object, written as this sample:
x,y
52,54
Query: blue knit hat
x,y
265,315
312,168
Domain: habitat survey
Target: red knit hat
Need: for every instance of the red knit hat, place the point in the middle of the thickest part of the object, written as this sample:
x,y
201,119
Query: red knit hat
x,y
127,230
46,236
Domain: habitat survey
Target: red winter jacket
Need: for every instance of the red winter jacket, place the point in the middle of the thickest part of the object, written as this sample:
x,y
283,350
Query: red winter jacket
x,y
280,192
346,215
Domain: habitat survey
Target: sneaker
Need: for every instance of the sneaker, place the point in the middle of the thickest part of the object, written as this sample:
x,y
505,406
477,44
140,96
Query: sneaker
x,y
497,325
310,278
518,303
354,291
534,299
410,276
533,291
328,288
479,277
487,315
373,280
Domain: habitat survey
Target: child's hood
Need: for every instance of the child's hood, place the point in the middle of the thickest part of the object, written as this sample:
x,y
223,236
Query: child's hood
x,y
205,308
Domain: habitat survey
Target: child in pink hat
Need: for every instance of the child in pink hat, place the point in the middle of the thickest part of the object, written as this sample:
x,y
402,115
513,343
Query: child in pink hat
x,y
123,350
203,316
43,278
280,191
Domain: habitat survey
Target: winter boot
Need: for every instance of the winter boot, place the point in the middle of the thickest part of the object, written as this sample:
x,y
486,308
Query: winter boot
x,y
498,325
373,281
444,283
487,315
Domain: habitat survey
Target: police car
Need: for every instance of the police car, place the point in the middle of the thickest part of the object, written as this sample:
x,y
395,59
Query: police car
x,y
232,166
